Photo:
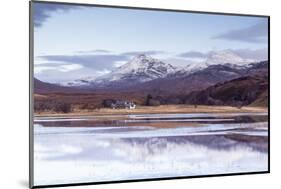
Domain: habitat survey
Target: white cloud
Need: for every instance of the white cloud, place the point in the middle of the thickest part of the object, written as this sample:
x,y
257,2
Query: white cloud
x,y
97,51
69,67
180,62
119,63
56,67
102,72
40,69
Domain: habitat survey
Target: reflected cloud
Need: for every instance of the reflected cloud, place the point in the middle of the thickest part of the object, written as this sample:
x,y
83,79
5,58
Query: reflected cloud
x,y
137,152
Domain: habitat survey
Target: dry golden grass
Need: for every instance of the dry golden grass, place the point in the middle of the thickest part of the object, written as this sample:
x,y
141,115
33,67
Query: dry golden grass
x,y
110,117
39,96
163,109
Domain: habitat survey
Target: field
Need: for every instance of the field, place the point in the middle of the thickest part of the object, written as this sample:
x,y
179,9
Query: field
x,y
165,109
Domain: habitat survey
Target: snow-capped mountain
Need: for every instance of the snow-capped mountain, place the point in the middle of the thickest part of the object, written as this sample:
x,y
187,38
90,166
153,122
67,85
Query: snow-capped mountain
x,y
226,57
141,68
191,68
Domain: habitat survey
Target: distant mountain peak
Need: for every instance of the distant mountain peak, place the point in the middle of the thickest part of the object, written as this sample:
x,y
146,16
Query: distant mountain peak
x,y
226,57
141,68
141,56
144,61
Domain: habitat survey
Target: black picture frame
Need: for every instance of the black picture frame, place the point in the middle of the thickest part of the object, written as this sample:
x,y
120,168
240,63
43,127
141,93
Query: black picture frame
x,y
31,100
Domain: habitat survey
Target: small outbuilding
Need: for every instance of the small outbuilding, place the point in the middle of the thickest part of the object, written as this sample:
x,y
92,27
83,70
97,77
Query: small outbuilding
x,y
122,104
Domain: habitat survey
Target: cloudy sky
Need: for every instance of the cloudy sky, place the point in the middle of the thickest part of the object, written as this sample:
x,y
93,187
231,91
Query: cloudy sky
x,y
73,42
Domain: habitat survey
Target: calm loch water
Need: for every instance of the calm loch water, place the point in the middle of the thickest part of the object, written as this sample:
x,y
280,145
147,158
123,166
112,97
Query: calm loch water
x,y
93,149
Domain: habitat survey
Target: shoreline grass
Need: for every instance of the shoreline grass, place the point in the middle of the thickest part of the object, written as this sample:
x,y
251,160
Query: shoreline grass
x,y
162,109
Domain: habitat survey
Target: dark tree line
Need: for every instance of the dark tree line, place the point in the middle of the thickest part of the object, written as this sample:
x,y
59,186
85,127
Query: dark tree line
x,y
52,105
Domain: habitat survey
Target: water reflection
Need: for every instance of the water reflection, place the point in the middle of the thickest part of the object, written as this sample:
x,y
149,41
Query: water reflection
x,y
93,152
131,120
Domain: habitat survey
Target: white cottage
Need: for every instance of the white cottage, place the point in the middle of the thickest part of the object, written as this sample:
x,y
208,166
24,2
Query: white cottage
x,y
123,104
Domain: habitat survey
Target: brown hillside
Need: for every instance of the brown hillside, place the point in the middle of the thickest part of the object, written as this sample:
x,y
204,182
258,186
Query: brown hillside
x,y
238,92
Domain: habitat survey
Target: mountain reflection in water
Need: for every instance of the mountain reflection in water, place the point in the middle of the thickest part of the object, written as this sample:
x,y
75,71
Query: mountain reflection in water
x,y
90,149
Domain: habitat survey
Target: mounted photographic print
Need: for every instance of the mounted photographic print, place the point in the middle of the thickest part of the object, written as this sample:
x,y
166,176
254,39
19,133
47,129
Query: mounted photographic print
x,y
121,94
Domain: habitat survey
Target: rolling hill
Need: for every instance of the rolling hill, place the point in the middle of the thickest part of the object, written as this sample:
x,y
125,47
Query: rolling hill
x,y
243,91
44,87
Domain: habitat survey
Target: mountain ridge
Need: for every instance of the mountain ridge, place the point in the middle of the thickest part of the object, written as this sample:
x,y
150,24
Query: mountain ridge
x,y
143,68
